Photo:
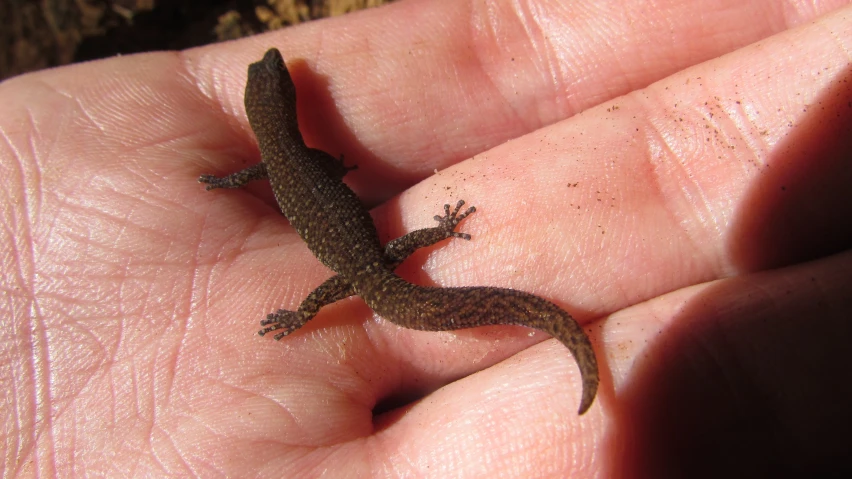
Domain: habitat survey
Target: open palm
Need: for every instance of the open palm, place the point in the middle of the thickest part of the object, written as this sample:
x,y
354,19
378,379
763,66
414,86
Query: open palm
x,y
682,194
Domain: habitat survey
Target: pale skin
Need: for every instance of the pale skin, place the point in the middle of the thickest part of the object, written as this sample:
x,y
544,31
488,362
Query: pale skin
x,y
698,227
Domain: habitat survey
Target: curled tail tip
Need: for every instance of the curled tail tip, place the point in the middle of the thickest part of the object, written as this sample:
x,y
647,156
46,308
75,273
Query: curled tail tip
x,y
581,349
588,365
590,389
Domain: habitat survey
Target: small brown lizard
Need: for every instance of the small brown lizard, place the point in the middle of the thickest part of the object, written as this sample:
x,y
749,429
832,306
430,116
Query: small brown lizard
x,y
340,232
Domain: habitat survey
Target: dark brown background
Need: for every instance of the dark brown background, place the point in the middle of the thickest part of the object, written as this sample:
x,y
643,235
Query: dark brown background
x,y
46,33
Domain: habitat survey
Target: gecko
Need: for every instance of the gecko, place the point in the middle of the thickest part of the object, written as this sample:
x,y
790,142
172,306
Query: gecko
x,y
308,186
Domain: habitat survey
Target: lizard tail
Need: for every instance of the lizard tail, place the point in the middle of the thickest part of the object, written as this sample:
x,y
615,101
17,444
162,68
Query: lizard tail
x,y
444,309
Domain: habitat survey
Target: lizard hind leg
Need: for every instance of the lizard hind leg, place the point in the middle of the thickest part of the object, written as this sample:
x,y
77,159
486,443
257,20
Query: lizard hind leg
x,y
288,321
331,290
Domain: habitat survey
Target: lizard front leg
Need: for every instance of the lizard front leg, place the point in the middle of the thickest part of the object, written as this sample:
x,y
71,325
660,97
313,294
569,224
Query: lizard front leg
x,y
235,180
396,251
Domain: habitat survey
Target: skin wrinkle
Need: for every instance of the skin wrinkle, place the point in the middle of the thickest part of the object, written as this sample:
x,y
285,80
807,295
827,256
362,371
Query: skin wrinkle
x,y
200,275
86,115
497,78
212,90
476,27
736,113
544,42
557,77
540,43
42,398
13,450
37,372
656,161
173,452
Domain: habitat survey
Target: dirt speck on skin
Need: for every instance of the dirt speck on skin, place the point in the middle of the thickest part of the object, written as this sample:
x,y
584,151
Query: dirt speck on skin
x,y
39,34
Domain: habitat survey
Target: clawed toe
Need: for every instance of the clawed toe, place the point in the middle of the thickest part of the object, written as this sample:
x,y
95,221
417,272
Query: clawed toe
x,y
288,321
451,219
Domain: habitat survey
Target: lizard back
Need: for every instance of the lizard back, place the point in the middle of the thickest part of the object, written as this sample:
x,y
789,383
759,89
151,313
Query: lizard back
x,y
307,183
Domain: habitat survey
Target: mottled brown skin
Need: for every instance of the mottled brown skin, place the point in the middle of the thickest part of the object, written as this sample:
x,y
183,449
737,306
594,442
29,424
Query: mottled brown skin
x,y
340,232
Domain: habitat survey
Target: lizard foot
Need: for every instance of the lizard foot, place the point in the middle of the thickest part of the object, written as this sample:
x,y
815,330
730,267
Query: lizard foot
x,y
212,181
450,220
288,321
235,180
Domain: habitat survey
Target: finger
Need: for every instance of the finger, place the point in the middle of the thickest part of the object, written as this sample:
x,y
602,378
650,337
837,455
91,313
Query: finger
x,y
752,362
474,76
674,184
740,359
612,208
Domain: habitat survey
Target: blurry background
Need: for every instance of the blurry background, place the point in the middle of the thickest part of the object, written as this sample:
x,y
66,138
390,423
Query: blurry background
x,y
36,34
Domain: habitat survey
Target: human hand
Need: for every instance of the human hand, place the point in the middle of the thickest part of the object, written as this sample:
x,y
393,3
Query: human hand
x,y
697,226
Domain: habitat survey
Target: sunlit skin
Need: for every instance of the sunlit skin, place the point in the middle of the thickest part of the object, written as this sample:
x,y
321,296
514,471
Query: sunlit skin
x,y
677,178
